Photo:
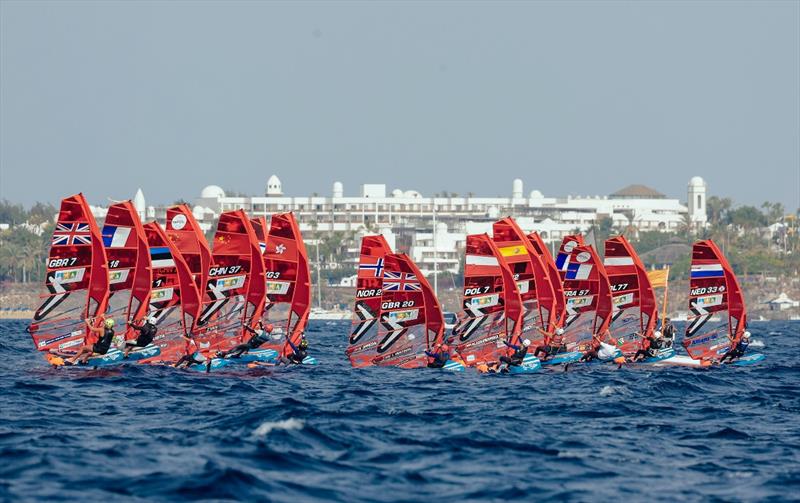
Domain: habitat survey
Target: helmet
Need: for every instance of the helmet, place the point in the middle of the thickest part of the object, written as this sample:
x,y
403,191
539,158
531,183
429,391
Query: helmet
x,y
151,320
269,327
746,334
304,344
559,331
657,334
526,342
109,323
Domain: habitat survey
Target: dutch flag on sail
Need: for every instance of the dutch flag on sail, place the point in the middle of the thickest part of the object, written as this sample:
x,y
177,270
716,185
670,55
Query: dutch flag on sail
x,y
161,257
707,271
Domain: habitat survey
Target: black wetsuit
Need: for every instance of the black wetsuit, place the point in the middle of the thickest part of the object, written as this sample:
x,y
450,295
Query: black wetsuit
x,y
668,331
517,357
259,337
591,354
650,350
147,333
299,353
550,350
103,344
188,359
736,352
439,359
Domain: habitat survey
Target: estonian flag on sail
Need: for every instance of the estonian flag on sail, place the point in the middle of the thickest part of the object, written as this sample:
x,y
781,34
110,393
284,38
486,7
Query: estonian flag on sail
x,y
161,257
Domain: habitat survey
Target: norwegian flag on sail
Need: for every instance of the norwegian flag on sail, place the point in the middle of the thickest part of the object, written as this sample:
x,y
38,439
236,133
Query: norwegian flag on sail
x,y
400,282
72,234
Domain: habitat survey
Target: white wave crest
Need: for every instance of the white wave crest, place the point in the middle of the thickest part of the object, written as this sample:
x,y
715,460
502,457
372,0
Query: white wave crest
x,y
287,424
756,343
612,390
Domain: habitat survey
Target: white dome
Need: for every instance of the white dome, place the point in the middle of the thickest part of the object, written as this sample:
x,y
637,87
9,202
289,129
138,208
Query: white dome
x,y
212,192
696,181
535,194
516,185
274,187
338,189
397,193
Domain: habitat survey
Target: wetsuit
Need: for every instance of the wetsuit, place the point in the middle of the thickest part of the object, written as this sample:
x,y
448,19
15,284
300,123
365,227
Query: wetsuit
x,y
104,342
147,333
591,354
550,349
647,349
298,353
439,359
517,357
259,337
668,331
187,360
737,351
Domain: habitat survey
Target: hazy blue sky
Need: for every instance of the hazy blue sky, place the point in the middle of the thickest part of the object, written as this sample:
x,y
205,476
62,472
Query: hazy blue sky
x,y
572,97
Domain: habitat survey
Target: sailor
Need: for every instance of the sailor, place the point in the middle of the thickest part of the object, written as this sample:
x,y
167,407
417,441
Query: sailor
x,y
105,334
299,352
518,355
553,343
260,335
439,356
650,346
738,350
147,332
190,356
592,352
668,330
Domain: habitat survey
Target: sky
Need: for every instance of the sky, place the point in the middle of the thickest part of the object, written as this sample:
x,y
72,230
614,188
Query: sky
x,y
572,97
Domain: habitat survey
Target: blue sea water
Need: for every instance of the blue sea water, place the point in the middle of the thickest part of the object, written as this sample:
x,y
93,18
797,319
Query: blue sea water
x,y
331,433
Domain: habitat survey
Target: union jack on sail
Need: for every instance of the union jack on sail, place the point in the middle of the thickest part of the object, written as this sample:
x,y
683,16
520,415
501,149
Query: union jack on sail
x,y
72,234
400,282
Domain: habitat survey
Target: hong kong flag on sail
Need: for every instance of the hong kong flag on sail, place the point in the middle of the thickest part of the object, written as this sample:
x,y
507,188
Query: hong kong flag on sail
x,y
72,234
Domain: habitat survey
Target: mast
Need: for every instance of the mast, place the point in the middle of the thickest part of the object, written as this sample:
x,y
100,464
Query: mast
x,y
319,285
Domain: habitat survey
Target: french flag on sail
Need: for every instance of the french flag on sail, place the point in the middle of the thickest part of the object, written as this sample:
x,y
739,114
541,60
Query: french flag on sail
x,y
578,271
115,237
161,257
707,271
561,261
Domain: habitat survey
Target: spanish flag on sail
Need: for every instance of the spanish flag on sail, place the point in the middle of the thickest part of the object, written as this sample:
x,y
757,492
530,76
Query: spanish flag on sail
x,y
513,251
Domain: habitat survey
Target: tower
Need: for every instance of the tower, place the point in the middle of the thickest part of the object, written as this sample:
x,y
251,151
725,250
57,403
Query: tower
x,y
697,201
274,187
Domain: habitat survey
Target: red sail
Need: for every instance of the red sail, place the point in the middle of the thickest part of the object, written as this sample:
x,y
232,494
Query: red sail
x,y
227,301
175,300
288,282
128,263
492,304
538,298
634,312
76,286
367,307
568,244
588,295
560,304
714,292
184,231
411,321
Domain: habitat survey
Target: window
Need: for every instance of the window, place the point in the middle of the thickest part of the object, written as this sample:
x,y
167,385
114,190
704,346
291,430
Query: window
x,y
699,202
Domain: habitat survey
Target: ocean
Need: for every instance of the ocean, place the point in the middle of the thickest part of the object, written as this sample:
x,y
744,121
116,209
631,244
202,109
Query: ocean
x,y
332,433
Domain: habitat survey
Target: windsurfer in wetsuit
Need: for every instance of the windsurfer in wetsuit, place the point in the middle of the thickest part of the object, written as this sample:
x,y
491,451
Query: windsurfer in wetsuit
x,y
650,347
668,331
101,347
439,356
738,350
147,332
298,353
260,335
592,352
516,358
189,357
553,343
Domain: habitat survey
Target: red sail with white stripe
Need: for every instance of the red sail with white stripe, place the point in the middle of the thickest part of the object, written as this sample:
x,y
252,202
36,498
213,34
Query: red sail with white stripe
x,y
560,304
411,321
228,302
288,282
713,292
76,286
174,301
538,298
492,304
183,230
128,264
634,311
362,343
588,295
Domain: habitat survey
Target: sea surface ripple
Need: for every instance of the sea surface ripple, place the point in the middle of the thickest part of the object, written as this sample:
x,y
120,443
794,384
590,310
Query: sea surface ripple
x,y
332,433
